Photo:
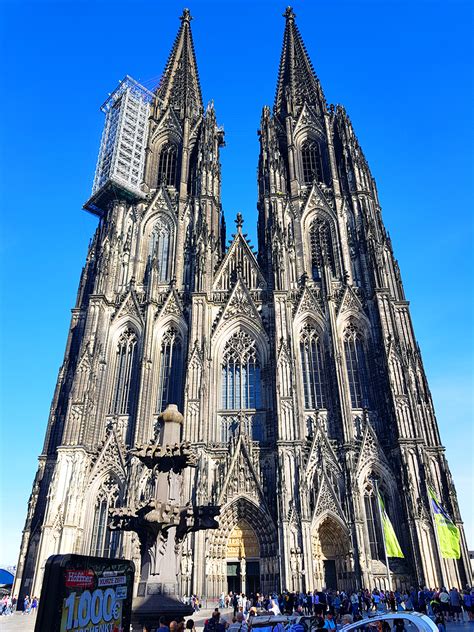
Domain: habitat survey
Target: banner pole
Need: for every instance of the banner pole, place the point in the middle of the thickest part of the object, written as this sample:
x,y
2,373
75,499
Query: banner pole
x,y
389,575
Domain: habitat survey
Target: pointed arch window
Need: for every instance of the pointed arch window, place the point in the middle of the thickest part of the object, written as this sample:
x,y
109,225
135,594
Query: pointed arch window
x,y
312,369
167,165
312,161
104,541
171,370
159,250
356,364
125,372
322,248
240,374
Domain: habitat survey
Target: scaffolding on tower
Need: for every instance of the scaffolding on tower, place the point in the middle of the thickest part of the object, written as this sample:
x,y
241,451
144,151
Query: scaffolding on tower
x,y
121,162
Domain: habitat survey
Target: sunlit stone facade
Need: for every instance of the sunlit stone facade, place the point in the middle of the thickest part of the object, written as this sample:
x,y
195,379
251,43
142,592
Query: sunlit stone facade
x,y
296,368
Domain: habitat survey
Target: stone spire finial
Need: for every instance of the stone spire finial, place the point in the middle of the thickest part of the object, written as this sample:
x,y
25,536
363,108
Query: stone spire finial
x,y
239,221
186,17
289,14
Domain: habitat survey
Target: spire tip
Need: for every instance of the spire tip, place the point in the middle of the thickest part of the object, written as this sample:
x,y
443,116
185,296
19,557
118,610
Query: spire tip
x,y
289,14
186,17
239,220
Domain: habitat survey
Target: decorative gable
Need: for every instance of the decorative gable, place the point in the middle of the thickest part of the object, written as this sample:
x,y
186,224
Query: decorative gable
x,y
241,477
169,122
308,303
161,202
111,457
317,199
321,455
308,118
370,450
327,500
350,302
172,305
239,260
240,304
129,307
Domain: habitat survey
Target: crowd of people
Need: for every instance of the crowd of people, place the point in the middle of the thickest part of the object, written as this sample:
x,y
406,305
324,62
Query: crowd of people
x,y
451,603
332,608
9,604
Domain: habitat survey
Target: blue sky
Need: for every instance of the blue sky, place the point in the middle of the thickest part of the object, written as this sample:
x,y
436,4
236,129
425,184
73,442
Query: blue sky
x,y
402,69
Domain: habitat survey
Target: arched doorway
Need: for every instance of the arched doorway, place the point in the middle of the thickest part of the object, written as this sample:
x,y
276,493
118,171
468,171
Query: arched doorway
x,y
243,560
333,565
242,552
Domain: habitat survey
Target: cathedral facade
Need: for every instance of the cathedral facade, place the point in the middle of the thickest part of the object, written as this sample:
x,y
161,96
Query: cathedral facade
x,y
296,368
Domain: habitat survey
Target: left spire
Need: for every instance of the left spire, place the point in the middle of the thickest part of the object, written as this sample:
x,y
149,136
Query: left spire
x,y
179,86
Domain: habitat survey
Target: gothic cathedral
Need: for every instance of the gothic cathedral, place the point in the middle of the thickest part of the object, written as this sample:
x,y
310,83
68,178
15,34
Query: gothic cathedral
x,y
296,368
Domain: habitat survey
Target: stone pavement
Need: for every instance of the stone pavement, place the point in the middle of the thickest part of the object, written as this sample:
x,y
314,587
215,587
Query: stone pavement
x,y
26,623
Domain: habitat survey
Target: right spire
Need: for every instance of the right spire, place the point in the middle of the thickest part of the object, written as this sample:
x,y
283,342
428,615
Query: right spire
x,y
297,81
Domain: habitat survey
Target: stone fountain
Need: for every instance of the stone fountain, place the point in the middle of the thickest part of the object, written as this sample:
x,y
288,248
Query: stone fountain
x,y
161,523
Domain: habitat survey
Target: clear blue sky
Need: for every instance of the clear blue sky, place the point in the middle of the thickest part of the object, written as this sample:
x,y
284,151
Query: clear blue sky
x,y
402,69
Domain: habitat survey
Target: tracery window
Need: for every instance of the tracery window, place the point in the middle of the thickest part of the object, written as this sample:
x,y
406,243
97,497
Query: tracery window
x,y
356,365
312,161
159,250
125,370
321,248
171,370
374,528
240,374
167,165
312,368
104,541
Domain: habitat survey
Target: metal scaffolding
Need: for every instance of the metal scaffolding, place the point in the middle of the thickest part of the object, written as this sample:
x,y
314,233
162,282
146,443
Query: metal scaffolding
x,y
122,149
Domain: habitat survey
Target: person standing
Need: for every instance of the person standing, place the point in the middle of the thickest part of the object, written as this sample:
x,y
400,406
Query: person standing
x,y
444,603
455,604
467,604
235,603
354,603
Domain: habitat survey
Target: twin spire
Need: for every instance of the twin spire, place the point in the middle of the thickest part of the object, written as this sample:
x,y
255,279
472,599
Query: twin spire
x,y
297,82
179,86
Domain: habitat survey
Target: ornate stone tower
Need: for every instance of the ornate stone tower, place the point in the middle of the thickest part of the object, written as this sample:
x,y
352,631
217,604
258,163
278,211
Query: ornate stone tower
x,y
296,369
352,400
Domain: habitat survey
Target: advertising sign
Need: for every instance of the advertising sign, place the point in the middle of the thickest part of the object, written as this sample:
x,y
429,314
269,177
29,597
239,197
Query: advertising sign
x,y
86,594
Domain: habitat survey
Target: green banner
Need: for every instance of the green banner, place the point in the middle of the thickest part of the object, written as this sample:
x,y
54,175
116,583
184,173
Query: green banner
x,y
392,545
448,533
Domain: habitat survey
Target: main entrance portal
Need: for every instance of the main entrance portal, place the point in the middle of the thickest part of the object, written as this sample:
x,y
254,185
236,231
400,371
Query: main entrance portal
x,y
243,560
